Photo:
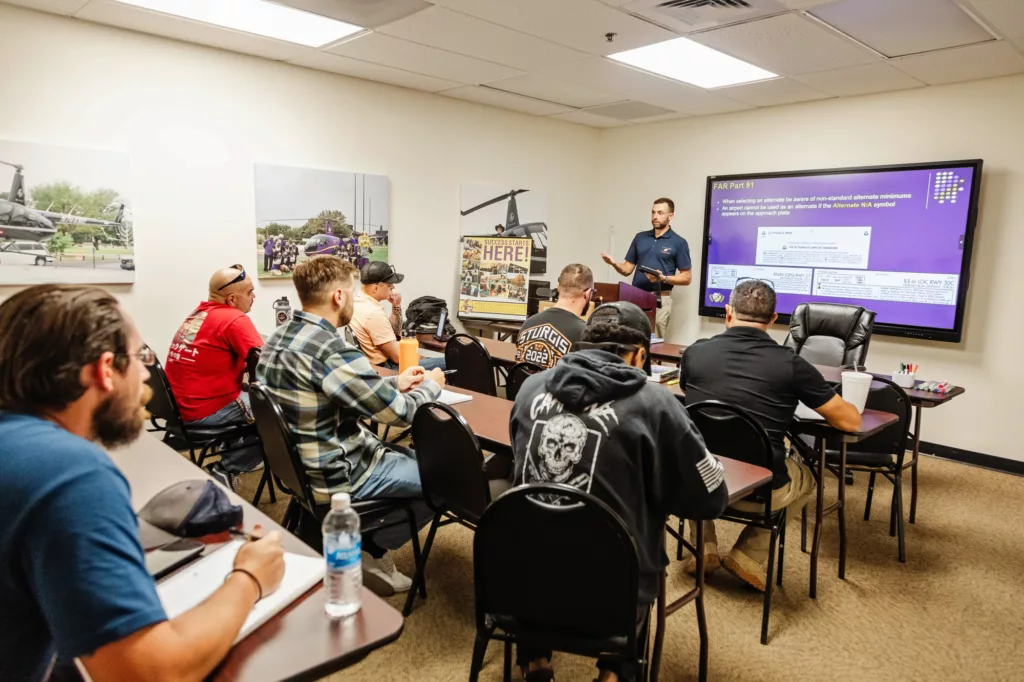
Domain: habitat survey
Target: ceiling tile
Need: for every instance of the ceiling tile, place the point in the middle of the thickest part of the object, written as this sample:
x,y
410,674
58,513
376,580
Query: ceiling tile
x,y
658,119
579,24
901,27
543,85
325,61
505,100
630,111
401,54
157,23
365,13
701,16
67,7
987,60
859,80
455,32
773,92
592,120
787,45
1005,16
625,83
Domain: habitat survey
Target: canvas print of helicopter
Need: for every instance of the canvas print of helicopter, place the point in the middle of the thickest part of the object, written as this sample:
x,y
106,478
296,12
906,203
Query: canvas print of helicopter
x,y
306,212
489,210
65,215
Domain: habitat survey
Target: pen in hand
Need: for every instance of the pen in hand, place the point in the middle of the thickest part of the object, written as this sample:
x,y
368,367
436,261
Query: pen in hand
x,y
248,537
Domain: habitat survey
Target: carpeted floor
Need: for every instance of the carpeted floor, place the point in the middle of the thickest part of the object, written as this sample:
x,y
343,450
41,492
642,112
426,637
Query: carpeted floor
x,y
952,612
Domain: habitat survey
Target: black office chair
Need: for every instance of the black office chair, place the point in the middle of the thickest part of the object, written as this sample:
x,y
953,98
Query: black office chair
x,y
284,461
475,372
831,334
731,431
562,577
517,375
452,473
884,453
163,406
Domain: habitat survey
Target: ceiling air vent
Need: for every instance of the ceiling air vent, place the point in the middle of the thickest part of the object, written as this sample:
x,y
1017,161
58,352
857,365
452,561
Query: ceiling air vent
x,y
697,15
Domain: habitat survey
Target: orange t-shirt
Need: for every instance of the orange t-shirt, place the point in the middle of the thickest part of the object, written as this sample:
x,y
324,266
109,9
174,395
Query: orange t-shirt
x,y
371,327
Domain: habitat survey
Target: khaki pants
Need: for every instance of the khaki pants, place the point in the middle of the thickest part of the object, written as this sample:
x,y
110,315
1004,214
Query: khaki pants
x,y
662,316
754,542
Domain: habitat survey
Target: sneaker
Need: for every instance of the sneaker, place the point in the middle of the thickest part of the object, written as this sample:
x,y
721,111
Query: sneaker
x,y
746,569
219,474
382,577
712,560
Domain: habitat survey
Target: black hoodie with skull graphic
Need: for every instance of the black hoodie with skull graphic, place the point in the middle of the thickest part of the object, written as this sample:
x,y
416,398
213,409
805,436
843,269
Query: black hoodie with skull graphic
x,y
595,423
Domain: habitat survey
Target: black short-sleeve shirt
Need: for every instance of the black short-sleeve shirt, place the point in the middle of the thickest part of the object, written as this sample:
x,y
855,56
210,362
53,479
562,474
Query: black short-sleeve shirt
x,y
545,337
744,366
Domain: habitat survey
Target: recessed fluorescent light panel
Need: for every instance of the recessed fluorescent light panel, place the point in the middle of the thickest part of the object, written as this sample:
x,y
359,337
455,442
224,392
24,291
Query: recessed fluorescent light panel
x,y
684,60
258,17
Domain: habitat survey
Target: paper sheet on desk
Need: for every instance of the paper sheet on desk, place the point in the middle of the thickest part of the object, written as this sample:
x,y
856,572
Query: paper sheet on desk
x,y
451,398
804,412
191,586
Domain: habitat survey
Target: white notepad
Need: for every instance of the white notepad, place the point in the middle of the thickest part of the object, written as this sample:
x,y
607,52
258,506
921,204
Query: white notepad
x,y
452,398
195,583
804,412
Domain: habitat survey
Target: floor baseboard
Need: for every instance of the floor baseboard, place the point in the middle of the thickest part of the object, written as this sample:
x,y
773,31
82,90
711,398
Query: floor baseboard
x,y
979,459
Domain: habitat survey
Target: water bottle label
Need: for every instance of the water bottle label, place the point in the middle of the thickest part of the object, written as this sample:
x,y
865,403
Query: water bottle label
x,y
342,552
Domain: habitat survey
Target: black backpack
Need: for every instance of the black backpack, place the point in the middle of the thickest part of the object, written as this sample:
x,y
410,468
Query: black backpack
x,y
423,314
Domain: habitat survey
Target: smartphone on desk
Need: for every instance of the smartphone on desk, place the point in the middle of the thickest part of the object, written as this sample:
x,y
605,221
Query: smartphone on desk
x,y
165,559
442,318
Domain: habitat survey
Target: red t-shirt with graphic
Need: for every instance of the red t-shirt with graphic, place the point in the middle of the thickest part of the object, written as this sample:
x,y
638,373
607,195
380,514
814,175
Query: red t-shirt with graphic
x,y
206,363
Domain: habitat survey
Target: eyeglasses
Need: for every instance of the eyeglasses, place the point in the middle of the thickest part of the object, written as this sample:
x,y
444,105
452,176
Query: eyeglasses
x,y
757,279
145,355
236,280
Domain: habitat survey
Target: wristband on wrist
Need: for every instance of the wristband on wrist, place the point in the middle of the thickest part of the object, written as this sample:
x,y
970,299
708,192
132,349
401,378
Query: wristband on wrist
x,y
259,588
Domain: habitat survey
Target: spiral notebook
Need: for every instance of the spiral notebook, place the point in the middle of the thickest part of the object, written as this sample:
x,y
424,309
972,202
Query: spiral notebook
x,y
191,586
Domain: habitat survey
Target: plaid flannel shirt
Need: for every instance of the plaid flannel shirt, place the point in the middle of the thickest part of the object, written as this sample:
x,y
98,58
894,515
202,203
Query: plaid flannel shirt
x,y
324,386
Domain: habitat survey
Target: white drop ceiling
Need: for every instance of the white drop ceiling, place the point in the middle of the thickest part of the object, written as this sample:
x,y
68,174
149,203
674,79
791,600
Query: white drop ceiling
x,y
549,57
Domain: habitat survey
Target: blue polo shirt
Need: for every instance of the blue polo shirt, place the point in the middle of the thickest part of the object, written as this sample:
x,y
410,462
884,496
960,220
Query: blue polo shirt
x,y
667,253
72,572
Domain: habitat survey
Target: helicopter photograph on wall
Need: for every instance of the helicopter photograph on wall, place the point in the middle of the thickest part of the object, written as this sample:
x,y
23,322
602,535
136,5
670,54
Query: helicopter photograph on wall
x,y
489,210
65,216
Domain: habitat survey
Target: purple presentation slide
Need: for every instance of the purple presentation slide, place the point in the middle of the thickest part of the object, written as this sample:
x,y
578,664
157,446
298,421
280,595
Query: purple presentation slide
x,y
891,241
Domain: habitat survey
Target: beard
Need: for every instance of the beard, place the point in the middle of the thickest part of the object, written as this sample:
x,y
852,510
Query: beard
x,y
345,314
657,225
118,419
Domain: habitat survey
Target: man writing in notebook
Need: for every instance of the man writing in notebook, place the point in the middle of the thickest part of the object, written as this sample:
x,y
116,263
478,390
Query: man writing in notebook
x,y
745,367
73,579
545,337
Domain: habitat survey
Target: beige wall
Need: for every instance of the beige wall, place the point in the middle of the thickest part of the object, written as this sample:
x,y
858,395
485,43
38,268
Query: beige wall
x,y
983,119
194,120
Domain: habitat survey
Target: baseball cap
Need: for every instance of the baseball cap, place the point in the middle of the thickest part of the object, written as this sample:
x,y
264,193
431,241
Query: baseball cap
x,y
379,272
626,314
187,509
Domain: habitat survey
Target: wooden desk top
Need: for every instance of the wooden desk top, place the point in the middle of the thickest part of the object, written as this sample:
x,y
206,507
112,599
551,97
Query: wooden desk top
x,y
872,421
503,353
834,375
299,642
489,417
666,351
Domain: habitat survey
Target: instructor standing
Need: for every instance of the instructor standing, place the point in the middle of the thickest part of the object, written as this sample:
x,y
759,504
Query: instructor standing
x,y
663,251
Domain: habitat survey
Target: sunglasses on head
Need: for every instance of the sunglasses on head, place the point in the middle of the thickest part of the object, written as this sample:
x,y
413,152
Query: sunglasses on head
x,y
236,280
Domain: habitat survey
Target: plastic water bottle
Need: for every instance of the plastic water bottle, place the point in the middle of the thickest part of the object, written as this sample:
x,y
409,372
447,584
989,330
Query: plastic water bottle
x,y
282,310
343,546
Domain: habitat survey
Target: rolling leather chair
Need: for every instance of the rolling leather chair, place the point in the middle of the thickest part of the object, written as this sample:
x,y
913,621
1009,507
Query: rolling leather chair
x,y
831,334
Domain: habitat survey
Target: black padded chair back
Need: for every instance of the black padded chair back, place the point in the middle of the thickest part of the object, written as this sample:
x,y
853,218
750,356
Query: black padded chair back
x,y
557,574
251,360
163,405
831,334
886,396
517,375
731,431
278,446
475,372
451,462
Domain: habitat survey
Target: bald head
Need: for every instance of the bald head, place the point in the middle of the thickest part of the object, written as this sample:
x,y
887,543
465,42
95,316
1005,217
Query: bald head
x,y
233,287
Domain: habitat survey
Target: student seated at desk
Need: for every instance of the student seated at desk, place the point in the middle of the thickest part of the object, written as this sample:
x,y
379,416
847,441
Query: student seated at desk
x,y
324,386
206,366
594,422
545,337
377,333
745,367
73,580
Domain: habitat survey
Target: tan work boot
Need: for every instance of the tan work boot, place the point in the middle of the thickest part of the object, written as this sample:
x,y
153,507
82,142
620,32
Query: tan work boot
x,y
712,559
748,559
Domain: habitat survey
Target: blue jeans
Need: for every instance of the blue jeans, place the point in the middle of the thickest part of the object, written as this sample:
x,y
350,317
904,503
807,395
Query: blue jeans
x,y
248,452
396,475
426,363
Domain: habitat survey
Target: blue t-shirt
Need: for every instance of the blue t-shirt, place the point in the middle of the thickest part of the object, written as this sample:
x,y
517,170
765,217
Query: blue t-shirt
x,y
72,572
667,253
